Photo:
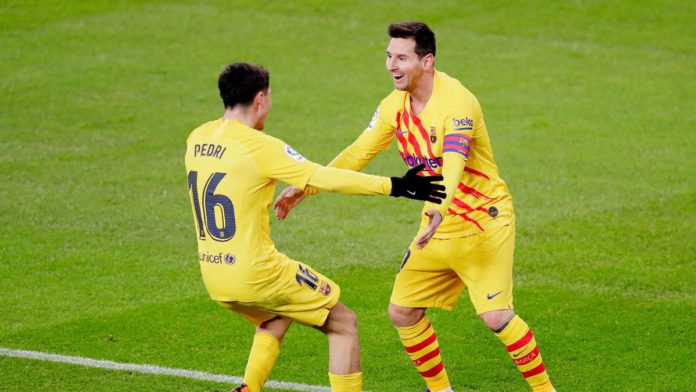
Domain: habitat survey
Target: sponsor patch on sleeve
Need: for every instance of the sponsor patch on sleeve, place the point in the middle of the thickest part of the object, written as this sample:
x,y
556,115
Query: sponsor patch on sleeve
x,y
463,124
294,154
374,119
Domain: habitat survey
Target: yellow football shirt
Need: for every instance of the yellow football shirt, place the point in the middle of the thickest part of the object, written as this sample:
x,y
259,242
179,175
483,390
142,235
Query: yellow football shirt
x,y
232,171
231,179
450,137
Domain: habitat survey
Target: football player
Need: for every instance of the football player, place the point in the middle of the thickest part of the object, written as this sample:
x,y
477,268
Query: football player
x,y
232,170
470,237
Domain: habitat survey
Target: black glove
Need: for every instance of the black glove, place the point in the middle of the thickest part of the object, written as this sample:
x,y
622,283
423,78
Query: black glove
x,y
413,186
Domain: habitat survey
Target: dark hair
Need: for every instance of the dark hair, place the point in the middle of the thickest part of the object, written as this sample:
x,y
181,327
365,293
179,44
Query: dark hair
x,y
240,82
420,32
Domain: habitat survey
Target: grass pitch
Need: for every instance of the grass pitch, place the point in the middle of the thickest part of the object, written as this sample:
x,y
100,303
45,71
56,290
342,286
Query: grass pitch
x,y
590,107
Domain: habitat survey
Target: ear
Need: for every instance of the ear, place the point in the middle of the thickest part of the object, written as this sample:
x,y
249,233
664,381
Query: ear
x,y
428,61
258,99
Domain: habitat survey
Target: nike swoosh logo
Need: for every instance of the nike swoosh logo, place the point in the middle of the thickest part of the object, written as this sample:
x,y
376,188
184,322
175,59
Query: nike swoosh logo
x,y
401,132
491,296
413,194
518,354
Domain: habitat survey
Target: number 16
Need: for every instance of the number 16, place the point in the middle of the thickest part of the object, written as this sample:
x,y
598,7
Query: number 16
x,y
224,231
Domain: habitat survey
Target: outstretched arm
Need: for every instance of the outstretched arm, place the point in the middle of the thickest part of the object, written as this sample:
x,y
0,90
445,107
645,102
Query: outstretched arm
x,y
375,139
410,185
354,157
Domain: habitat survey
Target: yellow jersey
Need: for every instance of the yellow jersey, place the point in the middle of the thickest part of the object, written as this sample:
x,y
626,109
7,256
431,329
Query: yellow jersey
x,y
232,171
450,137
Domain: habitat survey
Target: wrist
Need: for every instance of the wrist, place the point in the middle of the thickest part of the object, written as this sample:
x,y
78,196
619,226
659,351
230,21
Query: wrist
x,y
396,186
310,190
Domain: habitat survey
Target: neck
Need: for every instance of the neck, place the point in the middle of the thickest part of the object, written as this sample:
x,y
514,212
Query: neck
x,y
421,94
244,115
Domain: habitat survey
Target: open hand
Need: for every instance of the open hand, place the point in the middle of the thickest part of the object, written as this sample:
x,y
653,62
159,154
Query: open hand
x,y
287,200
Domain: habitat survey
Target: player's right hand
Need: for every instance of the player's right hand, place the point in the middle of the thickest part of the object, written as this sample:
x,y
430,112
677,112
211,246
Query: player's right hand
x,y
435,219
413,186
287,200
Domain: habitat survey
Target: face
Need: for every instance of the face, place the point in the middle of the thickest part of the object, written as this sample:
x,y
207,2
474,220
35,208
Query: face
x,y
265,103
404,64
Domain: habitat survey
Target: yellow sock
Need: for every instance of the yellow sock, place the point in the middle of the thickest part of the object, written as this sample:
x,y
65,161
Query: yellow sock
x,y
523,350
420,342
263,355
346,382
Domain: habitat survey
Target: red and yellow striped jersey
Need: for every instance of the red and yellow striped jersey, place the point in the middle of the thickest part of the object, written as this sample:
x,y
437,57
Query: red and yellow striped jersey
x,y
450,137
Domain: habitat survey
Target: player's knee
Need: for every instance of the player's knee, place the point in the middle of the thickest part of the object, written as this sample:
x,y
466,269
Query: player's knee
x,y
342,321
401,316
350,323
497,319
277,327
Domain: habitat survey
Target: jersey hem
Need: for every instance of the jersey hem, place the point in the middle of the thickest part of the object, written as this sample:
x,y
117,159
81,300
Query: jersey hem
x,y
462,234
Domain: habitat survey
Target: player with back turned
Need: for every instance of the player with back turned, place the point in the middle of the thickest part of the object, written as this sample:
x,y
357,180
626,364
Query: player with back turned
x,y
470,237
232,170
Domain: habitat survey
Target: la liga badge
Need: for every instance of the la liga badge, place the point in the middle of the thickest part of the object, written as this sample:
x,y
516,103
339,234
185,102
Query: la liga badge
x,y
294,154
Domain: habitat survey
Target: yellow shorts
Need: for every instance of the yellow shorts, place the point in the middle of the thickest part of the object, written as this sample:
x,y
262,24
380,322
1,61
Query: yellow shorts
x,y
299,293
436,275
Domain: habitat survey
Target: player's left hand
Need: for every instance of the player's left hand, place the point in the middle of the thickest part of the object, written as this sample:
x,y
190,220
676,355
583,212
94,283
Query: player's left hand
x,y
435,220
287,200
416,187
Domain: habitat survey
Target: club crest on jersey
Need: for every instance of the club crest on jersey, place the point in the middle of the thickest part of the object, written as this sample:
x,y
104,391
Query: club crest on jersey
x,y
433,135
325,288
307,278
373,121
294,154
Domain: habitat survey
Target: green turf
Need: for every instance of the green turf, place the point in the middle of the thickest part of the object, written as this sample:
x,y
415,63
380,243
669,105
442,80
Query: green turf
x,y
590,107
